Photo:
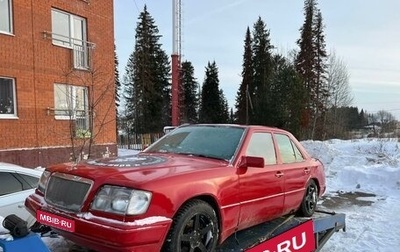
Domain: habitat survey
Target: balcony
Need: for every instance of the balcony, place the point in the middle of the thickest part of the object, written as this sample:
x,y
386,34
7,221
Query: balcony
x,y
81,50
81,56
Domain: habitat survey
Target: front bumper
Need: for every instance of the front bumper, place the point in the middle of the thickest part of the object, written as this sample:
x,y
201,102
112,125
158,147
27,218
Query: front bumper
x,y
102,234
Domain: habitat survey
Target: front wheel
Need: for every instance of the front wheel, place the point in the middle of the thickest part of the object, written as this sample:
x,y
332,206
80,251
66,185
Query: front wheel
x,y
195,228
310,199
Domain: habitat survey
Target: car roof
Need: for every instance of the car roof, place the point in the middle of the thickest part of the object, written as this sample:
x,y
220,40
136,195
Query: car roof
x,y
237,125
7,167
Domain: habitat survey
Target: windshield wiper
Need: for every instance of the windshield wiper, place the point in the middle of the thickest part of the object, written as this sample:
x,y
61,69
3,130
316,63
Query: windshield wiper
x,y
199,155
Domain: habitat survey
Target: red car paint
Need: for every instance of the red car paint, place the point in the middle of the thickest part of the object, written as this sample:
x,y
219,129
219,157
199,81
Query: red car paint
x,y
242,191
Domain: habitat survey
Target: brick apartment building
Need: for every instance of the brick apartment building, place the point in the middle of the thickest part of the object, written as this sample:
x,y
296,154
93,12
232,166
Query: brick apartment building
x,y
56,81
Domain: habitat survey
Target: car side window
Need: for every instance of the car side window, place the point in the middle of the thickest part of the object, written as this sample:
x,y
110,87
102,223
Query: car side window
x,y
299,156
29,181
288,150
9,183
261,145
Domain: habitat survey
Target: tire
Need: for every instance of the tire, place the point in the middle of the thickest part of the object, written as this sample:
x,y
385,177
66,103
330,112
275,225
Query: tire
x,y
309,202
195,228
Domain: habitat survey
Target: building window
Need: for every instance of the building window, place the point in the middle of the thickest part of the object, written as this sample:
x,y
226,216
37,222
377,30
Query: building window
x,y
7,98
71,103
70,31
5,16
67,29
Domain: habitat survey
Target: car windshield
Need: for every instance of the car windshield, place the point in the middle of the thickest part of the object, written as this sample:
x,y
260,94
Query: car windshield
x,y
218,142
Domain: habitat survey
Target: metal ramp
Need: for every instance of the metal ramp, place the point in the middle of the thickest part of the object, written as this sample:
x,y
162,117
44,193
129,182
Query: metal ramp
x,y
324,225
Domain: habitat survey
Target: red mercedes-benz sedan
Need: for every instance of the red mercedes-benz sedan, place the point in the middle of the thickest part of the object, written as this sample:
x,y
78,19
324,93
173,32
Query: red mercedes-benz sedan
x,y
188,191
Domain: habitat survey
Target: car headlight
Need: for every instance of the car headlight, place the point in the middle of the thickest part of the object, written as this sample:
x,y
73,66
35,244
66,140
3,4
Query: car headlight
x,y
121,200
43,181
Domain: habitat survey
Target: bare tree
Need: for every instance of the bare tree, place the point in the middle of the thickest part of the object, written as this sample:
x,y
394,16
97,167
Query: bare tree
x,y
386,120
338,83
101,106
85,100
339,95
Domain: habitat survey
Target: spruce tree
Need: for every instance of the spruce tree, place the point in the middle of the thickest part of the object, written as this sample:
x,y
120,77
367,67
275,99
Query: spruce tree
x,y
224,108
260,89
305,64
280,90
321,88
147,79
117,90
190,101
213,106
242,104
288,92
116,81
310,64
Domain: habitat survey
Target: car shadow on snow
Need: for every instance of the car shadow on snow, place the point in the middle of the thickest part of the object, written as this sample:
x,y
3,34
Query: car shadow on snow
x,y
342,199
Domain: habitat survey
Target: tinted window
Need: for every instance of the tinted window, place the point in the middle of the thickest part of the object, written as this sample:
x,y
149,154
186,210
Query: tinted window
x,y
261,145
299,156
285,148
9,183
29,181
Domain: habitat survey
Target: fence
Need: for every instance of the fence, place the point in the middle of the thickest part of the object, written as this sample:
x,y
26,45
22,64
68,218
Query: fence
x,y
137,141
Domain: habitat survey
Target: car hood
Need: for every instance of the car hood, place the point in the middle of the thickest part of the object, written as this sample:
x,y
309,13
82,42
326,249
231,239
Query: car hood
x,y
140,168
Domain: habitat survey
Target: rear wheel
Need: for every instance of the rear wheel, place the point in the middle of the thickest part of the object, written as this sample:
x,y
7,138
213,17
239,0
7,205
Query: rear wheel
x,y
310,199
195,228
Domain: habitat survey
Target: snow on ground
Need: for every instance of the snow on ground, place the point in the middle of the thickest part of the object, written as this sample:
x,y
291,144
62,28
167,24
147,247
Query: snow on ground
x,y
369,168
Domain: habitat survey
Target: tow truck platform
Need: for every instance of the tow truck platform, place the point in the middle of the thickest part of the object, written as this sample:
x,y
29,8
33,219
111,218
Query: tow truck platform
x,y
288,233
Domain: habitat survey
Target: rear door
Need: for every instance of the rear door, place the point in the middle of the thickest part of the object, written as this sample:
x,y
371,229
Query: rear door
x,y
261,189
14,189
295,169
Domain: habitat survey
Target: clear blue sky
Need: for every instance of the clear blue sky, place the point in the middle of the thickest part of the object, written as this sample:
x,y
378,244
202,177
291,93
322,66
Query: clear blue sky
x,y
365,34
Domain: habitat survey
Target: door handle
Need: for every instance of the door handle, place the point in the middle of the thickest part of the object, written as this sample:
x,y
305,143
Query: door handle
x,y
307,170
279,174
21,206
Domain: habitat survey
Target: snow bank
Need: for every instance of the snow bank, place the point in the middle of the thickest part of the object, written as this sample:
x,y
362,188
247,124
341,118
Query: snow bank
x,y
367,165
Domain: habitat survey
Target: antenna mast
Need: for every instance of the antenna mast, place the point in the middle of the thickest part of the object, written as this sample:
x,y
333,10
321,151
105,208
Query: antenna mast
x,y
176,58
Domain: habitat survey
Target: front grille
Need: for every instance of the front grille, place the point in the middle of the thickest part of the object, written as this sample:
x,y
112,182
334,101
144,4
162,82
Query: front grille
x,y
67,191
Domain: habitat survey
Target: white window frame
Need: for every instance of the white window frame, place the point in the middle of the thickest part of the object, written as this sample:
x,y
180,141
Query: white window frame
x,y
70,39
67,105
9,13
14,101
74,37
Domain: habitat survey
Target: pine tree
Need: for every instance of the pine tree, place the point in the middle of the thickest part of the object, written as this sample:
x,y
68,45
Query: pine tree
x,y
242,98
213,106
190,101
147,79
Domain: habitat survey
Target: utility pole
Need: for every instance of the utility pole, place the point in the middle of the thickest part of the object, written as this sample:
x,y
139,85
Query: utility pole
x,y
176,59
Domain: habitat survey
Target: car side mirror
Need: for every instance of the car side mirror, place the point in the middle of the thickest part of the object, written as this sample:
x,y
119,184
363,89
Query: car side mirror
x,y
249,161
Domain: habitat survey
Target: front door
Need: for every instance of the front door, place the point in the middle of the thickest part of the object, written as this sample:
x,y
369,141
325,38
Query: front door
x,y
261,189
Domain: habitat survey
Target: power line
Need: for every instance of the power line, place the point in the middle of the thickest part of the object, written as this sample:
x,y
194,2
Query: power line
x,y
137,8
